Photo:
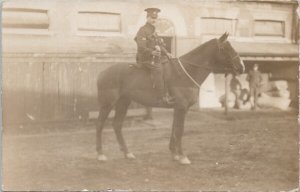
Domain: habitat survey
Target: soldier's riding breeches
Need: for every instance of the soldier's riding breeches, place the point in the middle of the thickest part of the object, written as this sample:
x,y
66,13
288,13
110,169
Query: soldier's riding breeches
x,y
157,75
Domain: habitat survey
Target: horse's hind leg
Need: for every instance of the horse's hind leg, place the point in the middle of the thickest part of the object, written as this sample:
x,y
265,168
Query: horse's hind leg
x,y
121,110
103,114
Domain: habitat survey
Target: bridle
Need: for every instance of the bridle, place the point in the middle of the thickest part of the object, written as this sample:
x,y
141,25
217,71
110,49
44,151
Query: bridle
x,y
227,69
232,58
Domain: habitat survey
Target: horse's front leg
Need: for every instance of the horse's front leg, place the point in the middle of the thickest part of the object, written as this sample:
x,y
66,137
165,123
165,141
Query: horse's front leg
x,y
176,136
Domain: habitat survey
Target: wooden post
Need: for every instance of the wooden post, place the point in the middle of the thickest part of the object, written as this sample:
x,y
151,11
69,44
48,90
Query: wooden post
x,y
226,92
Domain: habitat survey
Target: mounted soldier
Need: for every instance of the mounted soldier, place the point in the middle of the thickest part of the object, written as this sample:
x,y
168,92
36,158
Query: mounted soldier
x,y
120,84
152,54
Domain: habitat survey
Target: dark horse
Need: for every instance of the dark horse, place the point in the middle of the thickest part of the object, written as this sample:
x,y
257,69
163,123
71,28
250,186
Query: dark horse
x,y
120,84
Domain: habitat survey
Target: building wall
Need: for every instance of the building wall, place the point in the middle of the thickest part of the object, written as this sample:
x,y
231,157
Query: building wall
x,y
110,26
54,49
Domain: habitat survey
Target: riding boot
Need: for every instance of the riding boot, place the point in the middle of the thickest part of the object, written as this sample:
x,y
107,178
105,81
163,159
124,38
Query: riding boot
x,y
158,81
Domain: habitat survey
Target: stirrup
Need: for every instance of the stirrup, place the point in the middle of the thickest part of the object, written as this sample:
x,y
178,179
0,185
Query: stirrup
x,y
168,100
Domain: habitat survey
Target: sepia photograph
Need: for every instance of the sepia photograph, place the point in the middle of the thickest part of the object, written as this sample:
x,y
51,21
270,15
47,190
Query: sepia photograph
x,y
150,95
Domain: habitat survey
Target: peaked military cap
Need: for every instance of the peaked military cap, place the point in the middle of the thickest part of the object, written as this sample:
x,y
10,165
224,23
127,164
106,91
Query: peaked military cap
x,y
152,12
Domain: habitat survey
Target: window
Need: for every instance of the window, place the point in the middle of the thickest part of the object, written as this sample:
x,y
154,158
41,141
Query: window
x,y
25,21
98,23
269,28
217,26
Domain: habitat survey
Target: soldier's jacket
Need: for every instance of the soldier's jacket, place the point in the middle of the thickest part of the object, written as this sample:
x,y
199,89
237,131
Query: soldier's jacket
x,y
146,40
254,78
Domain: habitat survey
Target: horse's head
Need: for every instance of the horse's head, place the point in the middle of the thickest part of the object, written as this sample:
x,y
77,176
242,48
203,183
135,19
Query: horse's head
x,y
228,57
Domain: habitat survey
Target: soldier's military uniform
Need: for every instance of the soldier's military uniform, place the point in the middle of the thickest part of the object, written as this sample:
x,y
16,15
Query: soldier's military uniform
x,y
147,42
146,39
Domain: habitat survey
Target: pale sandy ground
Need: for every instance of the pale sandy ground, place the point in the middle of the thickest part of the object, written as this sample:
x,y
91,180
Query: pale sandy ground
x,y
244,151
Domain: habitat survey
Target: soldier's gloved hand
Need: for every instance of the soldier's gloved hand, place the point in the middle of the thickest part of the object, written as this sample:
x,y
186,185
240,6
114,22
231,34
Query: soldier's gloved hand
x,y
156,53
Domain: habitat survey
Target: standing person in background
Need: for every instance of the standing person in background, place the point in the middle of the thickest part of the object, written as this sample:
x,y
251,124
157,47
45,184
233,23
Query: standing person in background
x,y
235,88
255,79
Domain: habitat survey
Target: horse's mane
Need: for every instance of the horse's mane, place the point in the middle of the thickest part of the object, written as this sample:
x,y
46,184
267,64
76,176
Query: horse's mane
x,y
201,50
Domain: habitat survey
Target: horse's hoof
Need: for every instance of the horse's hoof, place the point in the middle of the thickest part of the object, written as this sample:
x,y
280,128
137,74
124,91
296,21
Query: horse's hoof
x,y
184,160
102,158
129,156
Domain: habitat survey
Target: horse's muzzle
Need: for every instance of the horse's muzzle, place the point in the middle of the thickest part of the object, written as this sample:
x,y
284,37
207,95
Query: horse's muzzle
x,y
238,66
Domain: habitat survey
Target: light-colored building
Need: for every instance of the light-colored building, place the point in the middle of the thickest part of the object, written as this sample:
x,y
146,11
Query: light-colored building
x,y
54,49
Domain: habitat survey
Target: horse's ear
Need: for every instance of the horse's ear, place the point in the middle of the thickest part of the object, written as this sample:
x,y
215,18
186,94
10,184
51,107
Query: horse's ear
x,y
224,37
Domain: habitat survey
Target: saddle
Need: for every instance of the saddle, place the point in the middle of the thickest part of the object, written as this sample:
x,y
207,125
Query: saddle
x,y
165,62
170,67
167,70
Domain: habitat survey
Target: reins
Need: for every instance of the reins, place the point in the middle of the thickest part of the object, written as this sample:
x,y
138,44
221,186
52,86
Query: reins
x,y
187,74
227,69
198,66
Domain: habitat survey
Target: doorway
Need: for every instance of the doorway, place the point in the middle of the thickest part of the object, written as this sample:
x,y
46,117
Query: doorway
x,y
165,29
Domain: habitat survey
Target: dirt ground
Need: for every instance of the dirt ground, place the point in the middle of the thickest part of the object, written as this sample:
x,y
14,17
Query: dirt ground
x,y
244,151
